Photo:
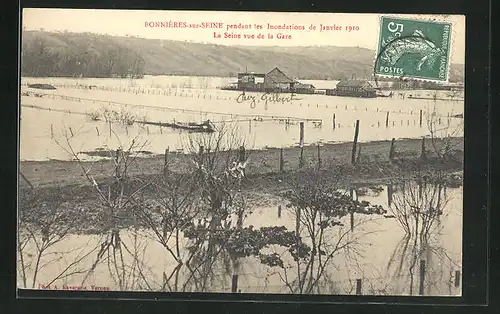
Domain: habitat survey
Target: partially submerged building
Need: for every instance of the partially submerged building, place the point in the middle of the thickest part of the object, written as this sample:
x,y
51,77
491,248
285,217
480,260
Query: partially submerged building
x,y
276,80
305,88
355,88
273,81
249,81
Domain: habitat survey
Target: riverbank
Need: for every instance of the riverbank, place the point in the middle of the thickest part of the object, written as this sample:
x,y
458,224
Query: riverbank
x,y
62,186
372,162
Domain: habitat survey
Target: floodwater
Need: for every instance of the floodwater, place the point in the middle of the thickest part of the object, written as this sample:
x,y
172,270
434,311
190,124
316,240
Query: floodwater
x,y
196,99
57,124
373,258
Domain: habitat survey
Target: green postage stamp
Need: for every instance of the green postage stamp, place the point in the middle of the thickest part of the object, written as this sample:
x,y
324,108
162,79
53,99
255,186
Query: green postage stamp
x,y
413,49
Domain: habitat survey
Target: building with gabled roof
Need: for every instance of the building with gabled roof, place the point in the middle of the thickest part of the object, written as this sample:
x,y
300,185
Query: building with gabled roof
x,y
355,88
273,81
278,79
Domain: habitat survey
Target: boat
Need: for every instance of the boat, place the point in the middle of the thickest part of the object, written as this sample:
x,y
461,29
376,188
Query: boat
x,y
41,86
206,126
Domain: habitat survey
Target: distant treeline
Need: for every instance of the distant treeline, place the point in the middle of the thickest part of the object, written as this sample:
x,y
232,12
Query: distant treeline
x,y
39,59
95,55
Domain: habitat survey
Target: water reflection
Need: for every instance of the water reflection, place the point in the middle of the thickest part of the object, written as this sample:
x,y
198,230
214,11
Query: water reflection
x,y
387,262
420,260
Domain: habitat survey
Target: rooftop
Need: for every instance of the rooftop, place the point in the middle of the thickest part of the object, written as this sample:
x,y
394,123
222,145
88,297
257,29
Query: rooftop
x,y
356,83
277,76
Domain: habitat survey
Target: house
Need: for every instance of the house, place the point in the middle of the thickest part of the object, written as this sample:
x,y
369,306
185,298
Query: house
x,y
250,81
355,88
276,80
304,88
330,92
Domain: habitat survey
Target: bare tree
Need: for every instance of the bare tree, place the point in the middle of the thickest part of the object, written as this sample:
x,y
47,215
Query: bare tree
x,y
168,214
319,200
419,208
219,168
445,137
43,224
117,196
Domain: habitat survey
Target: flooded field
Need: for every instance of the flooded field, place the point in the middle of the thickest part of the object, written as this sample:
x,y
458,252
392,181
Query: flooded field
x,y
394,239
168,99
382,256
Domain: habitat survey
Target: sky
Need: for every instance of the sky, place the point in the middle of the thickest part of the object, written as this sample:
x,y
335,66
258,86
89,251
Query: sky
x,y
364,27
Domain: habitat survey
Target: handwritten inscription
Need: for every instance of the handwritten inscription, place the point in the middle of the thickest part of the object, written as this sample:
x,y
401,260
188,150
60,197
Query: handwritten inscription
x,y
266,98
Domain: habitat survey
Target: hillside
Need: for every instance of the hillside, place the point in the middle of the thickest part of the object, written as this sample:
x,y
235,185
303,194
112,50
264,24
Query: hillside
x,y
154,56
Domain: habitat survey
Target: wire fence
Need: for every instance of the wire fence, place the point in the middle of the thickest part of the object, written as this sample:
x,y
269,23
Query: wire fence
x,y
257,117
219,95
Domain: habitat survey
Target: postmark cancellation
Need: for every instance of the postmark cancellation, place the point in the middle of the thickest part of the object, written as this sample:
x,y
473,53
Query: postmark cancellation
x,y
415,49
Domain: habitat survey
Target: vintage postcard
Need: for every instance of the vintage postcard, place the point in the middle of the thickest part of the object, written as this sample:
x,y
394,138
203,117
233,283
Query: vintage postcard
x,y
241,152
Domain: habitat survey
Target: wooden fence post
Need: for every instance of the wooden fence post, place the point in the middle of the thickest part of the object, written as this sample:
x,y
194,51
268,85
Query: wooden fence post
x,y
109,123
234,283
390,191
319,156
423,155
282,164
356,132
457,278
200,155
391,150
97,129
333,121
117,160
297,224
165,161
387,120
242,156
422,277
420,120
301,143
279,211
351,193
51,131
358,287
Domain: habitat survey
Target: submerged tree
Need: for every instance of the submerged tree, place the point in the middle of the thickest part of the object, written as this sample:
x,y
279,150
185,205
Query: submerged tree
x,y
117,194
319,200
45,222
419,207
446,138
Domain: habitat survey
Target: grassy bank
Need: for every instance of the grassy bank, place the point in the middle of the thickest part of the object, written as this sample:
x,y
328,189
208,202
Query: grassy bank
x,y
61,185
372,162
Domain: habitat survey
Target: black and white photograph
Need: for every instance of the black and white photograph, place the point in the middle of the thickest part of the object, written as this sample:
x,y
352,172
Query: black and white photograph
x,y
241,152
